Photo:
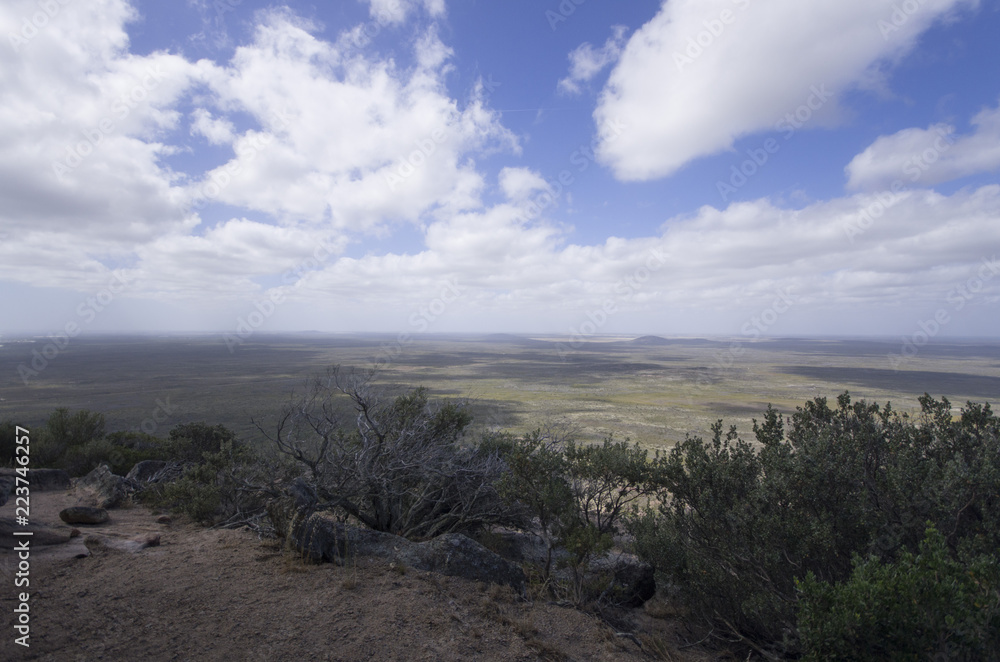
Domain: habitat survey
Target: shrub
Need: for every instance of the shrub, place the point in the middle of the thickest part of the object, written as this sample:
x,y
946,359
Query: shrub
x,y
227,487
738,523
924,606
399,466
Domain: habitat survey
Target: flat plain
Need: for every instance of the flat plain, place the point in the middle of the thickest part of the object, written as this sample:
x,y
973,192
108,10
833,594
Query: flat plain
x,y
650,389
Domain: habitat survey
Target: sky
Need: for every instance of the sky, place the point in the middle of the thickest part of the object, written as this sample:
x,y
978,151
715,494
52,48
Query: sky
x,y
739,168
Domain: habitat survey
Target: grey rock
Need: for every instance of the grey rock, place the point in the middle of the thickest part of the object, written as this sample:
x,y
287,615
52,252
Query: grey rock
x,y
319,539
83,515
7,484
111,489
40,534
41,479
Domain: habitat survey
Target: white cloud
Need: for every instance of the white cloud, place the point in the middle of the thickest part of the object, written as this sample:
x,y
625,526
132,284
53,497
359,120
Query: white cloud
x,y
83,123
586,61
346,139
217,131
396,11
702,73
518,183
924,157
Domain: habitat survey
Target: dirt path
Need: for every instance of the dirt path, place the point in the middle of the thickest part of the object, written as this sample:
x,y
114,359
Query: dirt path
x,y
207,594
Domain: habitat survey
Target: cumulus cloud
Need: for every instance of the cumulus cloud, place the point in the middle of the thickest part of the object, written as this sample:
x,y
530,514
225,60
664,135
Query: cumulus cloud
x,y
585,61
83,124
397,11
344,138
924,157
703,73
217,131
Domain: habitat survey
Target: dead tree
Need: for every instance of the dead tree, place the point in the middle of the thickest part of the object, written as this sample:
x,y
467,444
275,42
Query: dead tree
x,y
399,466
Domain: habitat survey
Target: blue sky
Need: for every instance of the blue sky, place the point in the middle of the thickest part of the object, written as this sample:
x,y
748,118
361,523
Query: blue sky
x,y
584,167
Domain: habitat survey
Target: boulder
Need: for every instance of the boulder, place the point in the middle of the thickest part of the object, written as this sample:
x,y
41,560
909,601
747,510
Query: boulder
x,y
41,479
40,534
83,515
319,539
111,489
7,484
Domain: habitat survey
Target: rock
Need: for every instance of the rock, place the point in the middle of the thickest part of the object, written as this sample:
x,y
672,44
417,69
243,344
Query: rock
x,y
41,479
40,534
98,544
83,515
635,582
111,489
7,484
164,519
319,538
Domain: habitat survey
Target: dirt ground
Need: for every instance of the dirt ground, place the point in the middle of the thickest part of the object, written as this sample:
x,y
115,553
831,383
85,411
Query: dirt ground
x,y
206,594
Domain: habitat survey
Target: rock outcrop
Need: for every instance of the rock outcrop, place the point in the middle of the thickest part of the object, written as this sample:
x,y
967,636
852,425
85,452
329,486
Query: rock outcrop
x,y
320,538
111,489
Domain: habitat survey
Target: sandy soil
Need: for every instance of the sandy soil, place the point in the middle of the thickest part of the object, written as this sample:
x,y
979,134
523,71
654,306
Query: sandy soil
x,y
206,594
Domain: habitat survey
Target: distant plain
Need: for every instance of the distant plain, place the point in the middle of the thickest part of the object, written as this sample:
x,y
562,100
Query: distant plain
x,y
652,390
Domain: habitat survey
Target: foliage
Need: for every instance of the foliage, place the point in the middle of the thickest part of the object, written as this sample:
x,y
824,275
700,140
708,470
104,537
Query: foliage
x,y
924,606
738,523
191,442
228,486
576,494
400,467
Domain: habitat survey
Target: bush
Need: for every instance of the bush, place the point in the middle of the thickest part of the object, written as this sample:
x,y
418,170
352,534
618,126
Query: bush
x,y
922,607
399,466
575,494
59,444
226,487
738,523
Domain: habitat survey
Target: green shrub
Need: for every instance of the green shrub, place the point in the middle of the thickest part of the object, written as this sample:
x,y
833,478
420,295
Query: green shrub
x,y
738,523
224,487
922,607
190,442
